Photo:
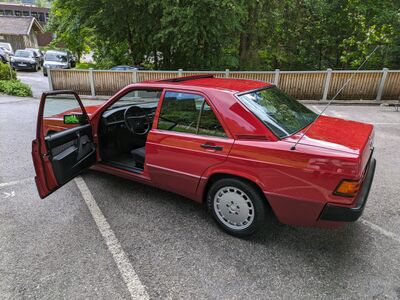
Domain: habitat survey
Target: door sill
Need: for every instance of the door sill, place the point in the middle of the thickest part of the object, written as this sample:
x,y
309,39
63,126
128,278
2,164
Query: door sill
x,y
118,165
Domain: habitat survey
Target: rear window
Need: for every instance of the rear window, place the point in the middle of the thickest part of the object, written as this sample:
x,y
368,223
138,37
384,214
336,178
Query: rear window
x,y
281,113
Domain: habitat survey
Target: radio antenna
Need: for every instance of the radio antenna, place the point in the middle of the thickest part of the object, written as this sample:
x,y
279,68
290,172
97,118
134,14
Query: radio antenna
x,y
334,97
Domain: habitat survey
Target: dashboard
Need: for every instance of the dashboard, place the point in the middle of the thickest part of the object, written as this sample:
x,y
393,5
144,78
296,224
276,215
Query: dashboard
x,y
114,117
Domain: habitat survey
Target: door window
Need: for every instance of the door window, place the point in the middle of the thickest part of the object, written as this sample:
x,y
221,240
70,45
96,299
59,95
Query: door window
x,y
62,111
209,124
190,113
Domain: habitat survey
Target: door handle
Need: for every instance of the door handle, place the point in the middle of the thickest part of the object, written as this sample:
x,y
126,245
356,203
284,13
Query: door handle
x,y
213,147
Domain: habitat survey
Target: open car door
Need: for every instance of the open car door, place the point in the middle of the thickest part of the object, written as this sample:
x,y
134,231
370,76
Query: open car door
x,y
64,146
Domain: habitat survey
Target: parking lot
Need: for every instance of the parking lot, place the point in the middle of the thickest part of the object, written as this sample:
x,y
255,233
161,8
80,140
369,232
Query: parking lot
x,y
36,80
145,242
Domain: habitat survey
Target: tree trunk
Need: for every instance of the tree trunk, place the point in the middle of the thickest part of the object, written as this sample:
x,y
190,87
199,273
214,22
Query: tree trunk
x,y
155,60
131,44
245,41
248,34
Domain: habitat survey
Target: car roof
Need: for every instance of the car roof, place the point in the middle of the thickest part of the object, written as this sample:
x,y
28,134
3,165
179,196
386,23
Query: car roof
x,y
57,51
209,81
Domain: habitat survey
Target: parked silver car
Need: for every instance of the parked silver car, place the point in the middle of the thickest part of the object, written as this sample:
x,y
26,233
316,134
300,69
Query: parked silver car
x,y
8,48
4,56
56,60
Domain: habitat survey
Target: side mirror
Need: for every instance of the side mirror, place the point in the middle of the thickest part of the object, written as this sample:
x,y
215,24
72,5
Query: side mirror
x,y
74,119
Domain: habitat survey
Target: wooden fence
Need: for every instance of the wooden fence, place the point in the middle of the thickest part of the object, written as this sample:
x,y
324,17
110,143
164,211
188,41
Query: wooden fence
x,y
303,85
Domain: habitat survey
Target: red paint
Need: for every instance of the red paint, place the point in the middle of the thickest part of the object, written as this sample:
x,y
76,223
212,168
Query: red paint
x,y
297,184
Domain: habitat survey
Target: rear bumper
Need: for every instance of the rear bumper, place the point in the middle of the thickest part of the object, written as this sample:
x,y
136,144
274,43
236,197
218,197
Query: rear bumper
x,y
332,212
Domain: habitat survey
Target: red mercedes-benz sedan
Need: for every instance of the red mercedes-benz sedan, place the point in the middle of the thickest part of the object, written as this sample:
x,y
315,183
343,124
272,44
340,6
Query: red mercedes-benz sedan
x,y
224,142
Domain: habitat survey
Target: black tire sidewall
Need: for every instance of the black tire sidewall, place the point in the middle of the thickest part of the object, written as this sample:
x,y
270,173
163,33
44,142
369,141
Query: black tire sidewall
x,y
258,201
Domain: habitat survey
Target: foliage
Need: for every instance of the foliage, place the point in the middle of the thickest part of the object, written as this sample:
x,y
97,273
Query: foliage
x,y
71,32
235,34
5,73
15,88
83,66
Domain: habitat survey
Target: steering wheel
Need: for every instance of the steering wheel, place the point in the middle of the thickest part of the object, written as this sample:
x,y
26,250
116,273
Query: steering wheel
x,y
136,120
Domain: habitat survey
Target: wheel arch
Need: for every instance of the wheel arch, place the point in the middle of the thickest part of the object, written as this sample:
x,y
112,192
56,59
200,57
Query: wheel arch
x,y
220,175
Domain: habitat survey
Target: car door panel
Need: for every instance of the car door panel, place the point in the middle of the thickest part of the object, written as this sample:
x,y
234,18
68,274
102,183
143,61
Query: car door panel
x,y
176,161
71,151
177,154
60,156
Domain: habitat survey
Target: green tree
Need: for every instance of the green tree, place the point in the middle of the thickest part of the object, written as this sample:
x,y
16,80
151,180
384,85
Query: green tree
x,y
71,32
235,34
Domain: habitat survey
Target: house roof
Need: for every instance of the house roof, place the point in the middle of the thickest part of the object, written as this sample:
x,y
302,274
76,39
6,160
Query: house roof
x,y
19,25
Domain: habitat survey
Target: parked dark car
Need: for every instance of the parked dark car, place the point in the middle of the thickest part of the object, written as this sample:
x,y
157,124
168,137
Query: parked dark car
x,y
73,59
127,68
25,60
54,59
39,53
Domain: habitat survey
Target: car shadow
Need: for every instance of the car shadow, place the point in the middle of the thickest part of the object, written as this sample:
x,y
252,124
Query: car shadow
x,y
344,240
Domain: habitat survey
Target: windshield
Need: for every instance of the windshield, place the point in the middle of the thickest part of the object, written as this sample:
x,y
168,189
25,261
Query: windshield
x,y
34,50
282,114
22,53
51,56
6,46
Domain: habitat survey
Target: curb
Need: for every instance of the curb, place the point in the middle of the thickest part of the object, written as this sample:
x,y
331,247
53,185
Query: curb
x,y
351,102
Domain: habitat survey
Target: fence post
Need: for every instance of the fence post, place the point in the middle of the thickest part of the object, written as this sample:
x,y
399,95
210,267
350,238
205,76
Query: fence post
x,y
226,73
134,76
327,84
50,79
276,78
180,72
382,84
91,82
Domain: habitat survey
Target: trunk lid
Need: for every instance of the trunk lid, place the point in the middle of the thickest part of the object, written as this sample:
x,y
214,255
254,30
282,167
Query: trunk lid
x,y
341,135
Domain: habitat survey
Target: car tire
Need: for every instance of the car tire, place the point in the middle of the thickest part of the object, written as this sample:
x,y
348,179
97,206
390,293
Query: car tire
x,y
237,206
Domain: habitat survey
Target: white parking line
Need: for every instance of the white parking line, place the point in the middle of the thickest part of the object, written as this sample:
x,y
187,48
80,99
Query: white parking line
x,y
131,279
382,231
15,182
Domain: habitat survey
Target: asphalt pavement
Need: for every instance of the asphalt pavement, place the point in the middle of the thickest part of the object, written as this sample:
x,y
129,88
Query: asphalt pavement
x,y
36,80
58,248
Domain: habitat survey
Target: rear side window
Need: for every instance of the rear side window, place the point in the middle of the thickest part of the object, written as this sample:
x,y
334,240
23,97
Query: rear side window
x,y
190,113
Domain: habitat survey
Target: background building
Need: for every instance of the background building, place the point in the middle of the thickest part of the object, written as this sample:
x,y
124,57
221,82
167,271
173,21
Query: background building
x,y
41,14
20,32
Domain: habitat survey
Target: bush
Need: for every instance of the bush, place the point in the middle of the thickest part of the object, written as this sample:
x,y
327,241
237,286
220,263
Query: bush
x,y
5,72
15,88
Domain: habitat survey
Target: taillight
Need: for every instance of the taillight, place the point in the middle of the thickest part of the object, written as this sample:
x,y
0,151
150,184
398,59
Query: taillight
x,y
347,188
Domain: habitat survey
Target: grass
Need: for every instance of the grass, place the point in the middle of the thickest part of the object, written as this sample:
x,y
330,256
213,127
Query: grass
x,y
84,66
